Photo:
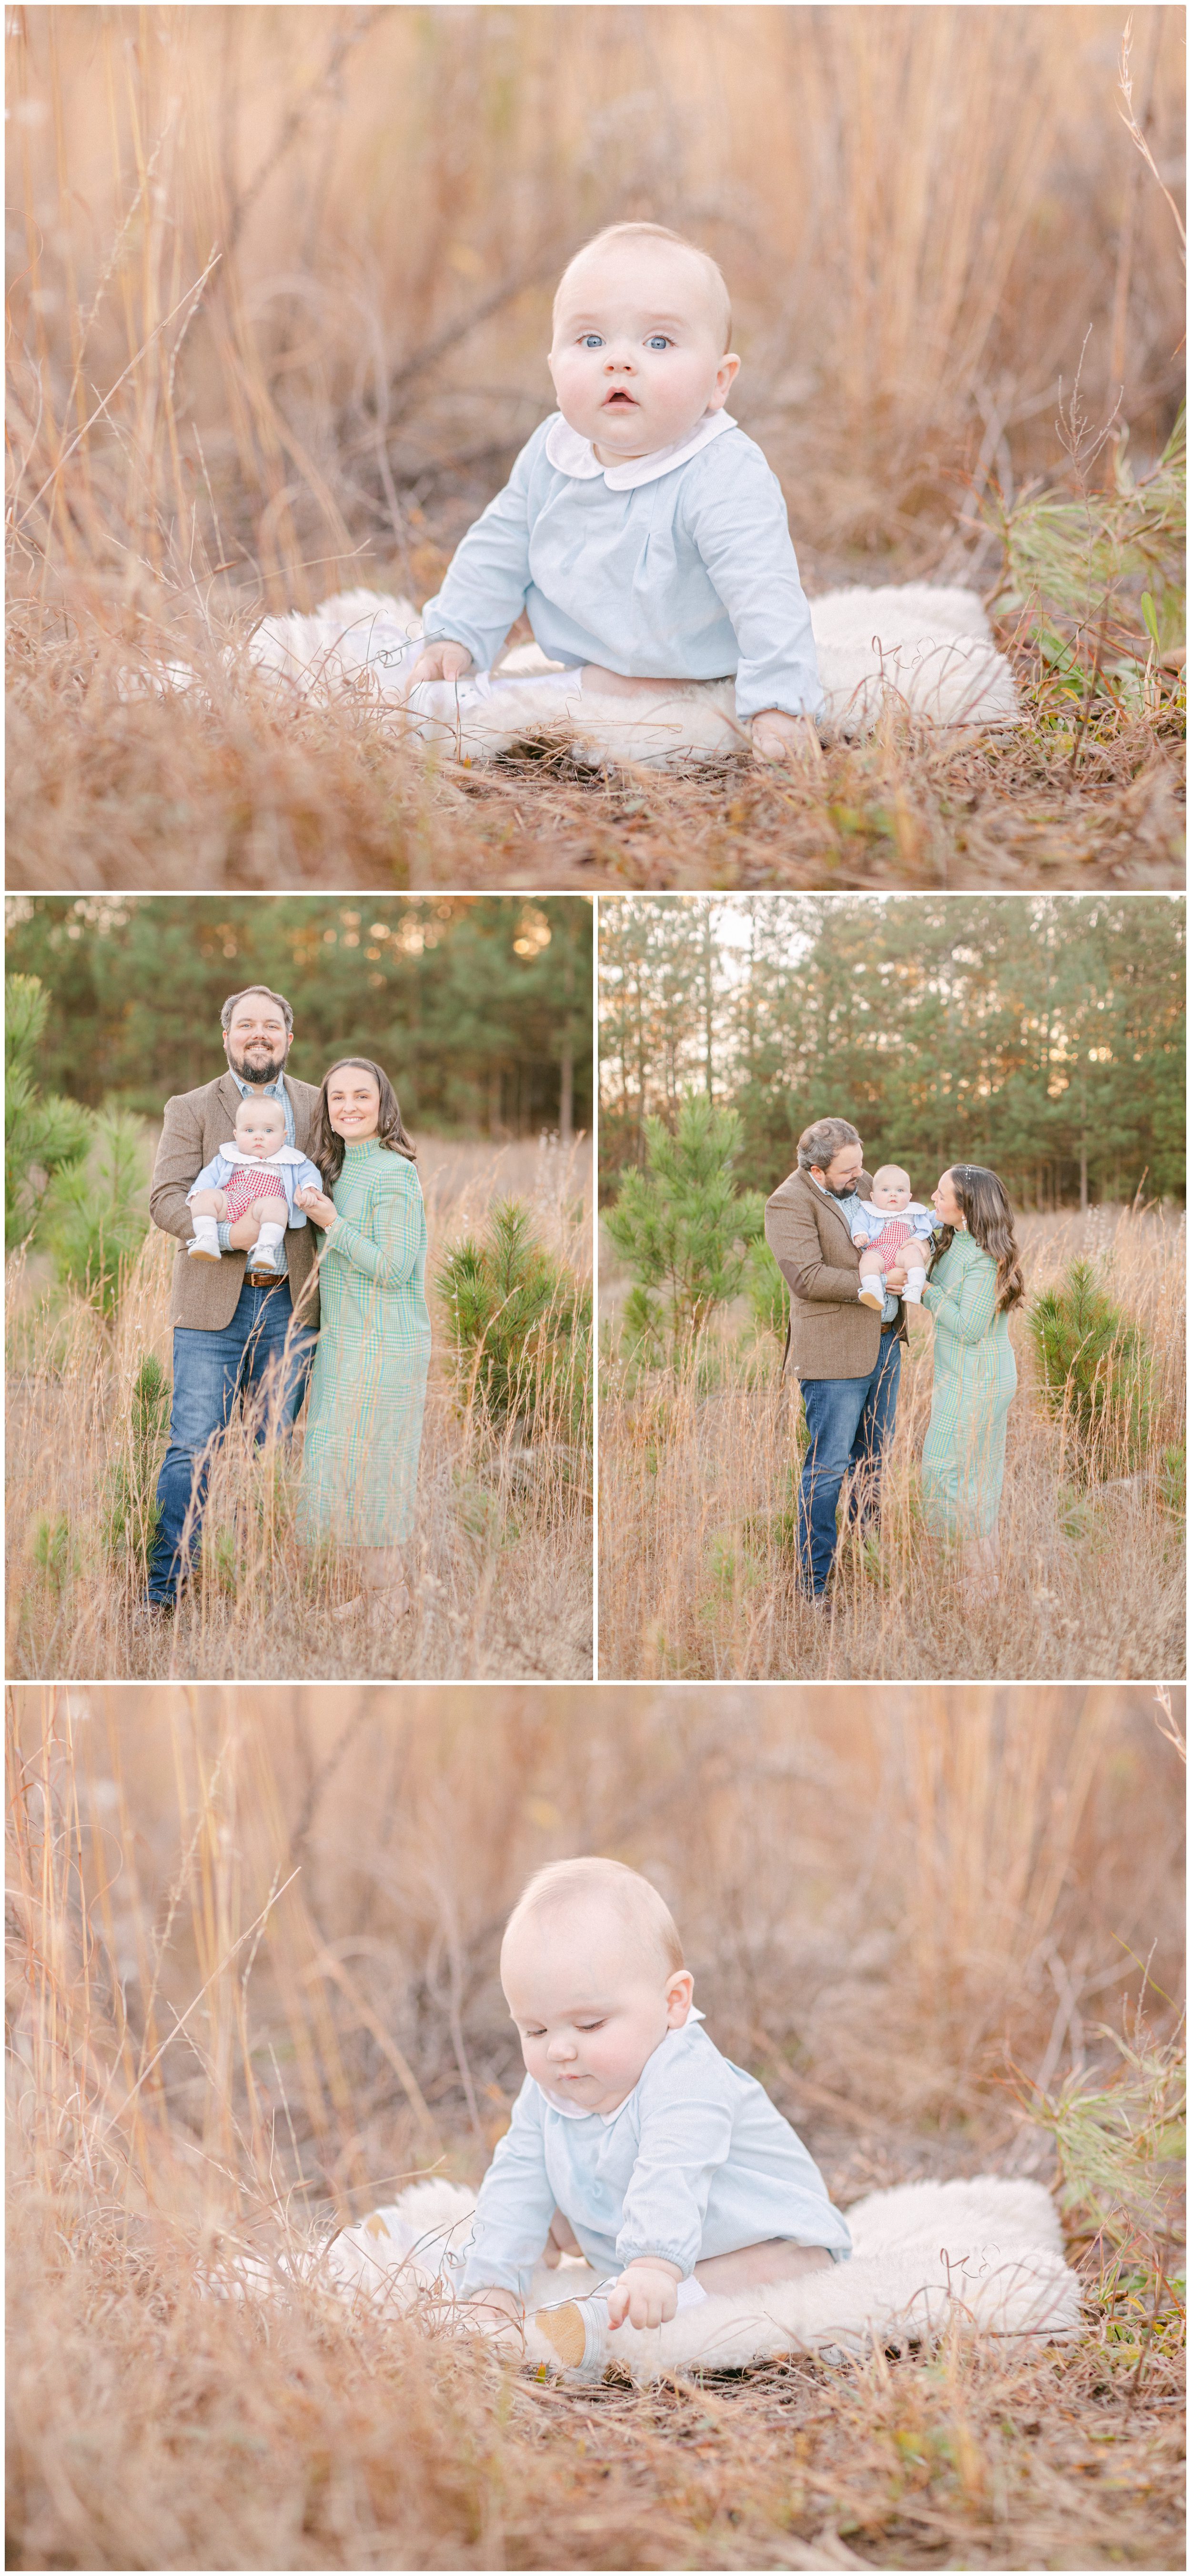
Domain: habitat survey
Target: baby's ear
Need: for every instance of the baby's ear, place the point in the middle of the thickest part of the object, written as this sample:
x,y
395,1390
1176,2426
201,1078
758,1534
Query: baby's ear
x,y
680,1995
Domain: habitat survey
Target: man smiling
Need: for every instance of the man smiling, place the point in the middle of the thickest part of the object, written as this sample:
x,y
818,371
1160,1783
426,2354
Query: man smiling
x,y
237,1331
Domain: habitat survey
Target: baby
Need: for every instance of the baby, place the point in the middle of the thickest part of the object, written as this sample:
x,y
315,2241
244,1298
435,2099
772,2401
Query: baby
x,y
632,2140
894,1231
641,530
257,1175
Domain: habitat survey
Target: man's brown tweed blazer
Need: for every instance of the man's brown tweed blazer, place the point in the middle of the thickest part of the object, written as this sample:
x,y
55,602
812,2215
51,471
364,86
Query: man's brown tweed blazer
x,y
197,1123
831,1333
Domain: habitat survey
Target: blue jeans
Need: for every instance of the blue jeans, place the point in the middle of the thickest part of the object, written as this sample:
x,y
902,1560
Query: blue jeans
x,y
850,1421
210,1371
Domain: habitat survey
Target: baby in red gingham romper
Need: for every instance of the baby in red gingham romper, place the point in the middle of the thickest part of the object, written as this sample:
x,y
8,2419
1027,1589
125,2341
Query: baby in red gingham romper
x,y
894,1233
256,1172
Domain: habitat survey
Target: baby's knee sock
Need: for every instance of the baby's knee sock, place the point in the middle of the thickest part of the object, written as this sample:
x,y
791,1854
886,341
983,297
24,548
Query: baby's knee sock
x,y
915,1283
205,1246
266,1251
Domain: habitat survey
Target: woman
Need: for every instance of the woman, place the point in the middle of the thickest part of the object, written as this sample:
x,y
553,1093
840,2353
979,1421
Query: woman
x,y
975,1279
368,1383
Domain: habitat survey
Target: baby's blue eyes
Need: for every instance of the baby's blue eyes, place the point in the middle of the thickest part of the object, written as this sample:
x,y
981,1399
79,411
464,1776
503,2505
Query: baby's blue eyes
x,y
594,340
659,341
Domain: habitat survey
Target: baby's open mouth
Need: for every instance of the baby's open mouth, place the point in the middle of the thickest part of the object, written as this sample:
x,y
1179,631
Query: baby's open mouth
x,y
618,395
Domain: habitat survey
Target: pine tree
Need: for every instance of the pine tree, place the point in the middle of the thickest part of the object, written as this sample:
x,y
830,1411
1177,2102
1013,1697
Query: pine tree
x,y
682,1225
43,1134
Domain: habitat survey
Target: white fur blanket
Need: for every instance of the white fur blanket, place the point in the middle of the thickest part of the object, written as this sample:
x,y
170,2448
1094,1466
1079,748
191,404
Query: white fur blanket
x,y
931,650
986,2255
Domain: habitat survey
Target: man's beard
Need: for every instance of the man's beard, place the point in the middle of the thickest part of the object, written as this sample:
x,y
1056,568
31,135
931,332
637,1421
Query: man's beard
x,y
848,1191
262,1073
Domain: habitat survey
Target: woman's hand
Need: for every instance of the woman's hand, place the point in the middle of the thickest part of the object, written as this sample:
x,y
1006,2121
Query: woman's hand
x,y
896,1279
646,2293
316,1204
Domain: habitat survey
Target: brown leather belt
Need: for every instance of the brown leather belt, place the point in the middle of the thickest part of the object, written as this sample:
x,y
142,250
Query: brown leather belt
x,y
266,1278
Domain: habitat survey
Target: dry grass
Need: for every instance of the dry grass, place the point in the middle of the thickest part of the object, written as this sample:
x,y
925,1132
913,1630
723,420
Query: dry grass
x,y
694,1470
891,1902
499,1565
278,321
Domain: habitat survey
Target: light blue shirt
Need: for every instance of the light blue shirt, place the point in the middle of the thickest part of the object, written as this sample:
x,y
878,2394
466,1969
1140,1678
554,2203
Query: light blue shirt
x,y
258,1091
682,572
697,2161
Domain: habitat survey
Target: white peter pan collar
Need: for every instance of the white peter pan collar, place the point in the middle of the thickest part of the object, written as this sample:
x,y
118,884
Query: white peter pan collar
x,y
284,1154
572,454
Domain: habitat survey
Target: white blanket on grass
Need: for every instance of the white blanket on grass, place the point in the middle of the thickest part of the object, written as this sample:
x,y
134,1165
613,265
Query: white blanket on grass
x,y
986,2255
929,650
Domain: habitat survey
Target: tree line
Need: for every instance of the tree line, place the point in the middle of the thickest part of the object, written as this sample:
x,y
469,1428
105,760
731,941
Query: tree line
x,y
1041,1035
478,1007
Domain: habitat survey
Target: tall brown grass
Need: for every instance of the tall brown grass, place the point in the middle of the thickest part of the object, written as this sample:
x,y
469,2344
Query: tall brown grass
x,y
698,1473
252,1987
499,1564
278,319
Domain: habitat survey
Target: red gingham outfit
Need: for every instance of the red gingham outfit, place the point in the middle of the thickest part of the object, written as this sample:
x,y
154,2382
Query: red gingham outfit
x,y
896,1231
248,1183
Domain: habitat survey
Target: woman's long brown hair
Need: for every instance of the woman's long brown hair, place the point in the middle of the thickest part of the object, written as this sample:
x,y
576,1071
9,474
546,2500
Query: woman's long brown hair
x,y
989,1217
390,1129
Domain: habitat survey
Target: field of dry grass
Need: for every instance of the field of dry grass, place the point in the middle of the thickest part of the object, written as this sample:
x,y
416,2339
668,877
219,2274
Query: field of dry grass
x,y
252,1986
698,1476
278,314
499,1565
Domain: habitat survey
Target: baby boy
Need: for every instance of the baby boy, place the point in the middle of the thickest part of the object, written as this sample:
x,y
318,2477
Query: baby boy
x,y
641,530
256,1175
893,1231
632,2140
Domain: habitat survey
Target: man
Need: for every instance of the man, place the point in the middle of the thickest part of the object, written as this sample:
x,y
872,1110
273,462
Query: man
x,y
847,1356
237,1331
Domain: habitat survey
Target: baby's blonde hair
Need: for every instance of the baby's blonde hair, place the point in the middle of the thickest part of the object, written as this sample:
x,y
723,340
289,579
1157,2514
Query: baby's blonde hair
x,y
257,1100
641,1909
888,1171
655,232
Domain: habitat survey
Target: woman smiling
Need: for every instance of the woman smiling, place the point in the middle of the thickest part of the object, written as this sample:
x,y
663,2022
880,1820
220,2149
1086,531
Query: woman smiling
x,y
368,1384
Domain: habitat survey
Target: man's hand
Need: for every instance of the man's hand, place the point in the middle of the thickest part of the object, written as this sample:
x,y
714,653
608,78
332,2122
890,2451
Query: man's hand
x,y
445,661
896,1280
791,741
646,2293
242,1235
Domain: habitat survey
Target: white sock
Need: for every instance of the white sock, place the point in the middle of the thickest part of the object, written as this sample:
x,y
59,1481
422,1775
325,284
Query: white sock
x,y
866,1285
915,1283
206,1237
267,1249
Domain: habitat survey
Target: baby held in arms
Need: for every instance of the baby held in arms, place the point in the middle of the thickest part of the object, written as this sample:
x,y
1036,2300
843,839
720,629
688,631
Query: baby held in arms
x,y
257,1175
893,1232
632,2140
641,530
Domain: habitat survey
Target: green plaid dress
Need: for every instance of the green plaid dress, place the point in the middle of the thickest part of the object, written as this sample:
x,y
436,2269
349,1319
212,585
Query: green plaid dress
x,y
963,1456
368,1383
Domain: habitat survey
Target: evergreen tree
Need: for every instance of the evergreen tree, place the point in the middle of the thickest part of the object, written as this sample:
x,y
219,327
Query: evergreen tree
x,y
43,1134
682,1225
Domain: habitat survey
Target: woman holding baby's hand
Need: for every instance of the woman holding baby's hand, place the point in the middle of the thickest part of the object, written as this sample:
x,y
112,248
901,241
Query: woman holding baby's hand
x,y
974,1282
368,1383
